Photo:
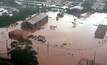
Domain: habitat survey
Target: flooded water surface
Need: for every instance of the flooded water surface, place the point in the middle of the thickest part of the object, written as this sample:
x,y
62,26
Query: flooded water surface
x,y
65,43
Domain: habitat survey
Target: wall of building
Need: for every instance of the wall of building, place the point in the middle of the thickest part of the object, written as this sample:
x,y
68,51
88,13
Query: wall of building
x,y
27,25
41,22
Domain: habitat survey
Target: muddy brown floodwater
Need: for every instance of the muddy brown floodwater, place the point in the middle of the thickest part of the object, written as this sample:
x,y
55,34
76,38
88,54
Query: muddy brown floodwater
x,y
65,44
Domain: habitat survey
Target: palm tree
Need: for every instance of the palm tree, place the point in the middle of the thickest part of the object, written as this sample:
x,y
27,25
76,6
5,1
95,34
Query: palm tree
x,y
23,53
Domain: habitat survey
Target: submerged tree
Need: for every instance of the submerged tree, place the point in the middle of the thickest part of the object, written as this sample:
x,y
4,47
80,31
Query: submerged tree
x,y
23,53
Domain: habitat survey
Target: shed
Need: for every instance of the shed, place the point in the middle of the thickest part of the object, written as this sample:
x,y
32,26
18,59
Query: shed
x,y
101,31
17,34
35,22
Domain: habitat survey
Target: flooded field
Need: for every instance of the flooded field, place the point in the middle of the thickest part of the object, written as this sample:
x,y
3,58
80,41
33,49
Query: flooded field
x,y
66,44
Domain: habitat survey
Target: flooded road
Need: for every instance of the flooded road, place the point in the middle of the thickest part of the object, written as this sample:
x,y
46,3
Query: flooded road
x,y
65,44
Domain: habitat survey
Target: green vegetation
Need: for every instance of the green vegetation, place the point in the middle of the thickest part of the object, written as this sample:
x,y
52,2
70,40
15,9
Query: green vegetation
x,y
22,53
105,6
6,20
5,61
73,11
17,16
87,6
104,1
8,3
76,0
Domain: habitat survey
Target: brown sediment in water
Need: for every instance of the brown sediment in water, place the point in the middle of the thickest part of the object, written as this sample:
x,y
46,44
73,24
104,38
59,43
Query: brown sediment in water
x,y
80,41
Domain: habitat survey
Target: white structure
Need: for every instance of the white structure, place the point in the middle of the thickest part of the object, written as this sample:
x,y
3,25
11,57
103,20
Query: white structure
x,y
3,11
77,7
7,10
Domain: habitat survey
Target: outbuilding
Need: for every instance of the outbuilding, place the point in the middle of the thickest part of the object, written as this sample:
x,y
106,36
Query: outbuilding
x,y
101,31
17,34
35,22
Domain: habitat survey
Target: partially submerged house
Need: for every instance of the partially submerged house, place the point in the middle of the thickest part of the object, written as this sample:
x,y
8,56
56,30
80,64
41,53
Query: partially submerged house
x,y
35,22
17,34
101,31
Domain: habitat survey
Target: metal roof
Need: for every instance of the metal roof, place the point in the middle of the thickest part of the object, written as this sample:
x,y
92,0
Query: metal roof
x,y
101,31
37,18
18,32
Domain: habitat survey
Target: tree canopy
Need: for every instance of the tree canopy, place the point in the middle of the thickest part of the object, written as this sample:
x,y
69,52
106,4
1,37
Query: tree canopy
x,y
9,3
87,6
23,53
104,1
17,16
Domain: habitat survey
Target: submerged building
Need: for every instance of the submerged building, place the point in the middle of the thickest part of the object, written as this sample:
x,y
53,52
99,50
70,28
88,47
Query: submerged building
x,y
18,34
35,22
101,31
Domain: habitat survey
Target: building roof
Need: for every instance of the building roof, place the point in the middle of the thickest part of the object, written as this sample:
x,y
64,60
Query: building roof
x,y
64,7
77,7
101,31
18,33
37,18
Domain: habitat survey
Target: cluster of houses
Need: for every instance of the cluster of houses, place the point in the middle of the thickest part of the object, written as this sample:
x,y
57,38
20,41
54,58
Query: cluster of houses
x,y
34,23
7,11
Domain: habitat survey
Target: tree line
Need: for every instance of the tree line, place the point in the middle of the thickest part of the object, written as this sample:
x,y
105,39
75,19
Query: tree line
x,y
6,20
21,53
8,3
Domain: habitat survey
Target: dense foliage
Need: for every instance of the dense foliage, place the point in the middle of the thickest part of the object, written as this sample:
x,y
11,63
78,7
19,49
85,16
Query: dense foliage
x,y
22,53
5,61
87,6
9,3
73,11
105,6
21,15
104,1
76,0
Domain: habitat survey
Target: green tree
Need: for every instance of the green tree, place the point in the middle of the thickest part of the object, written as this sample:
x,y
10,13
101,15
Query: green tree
x,y
23,53
74,12
6,61
105,6
104,1
87,6
17,16
9,3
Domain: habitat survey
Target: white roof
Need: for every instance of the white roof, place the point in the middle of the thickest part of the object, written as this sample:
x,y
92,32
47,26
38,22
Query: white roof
x,y
77,7
37,18
64,7
52,5
2,10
